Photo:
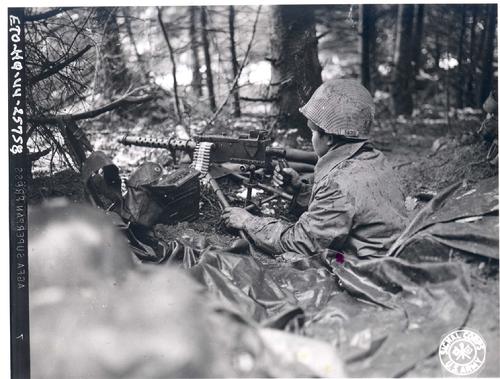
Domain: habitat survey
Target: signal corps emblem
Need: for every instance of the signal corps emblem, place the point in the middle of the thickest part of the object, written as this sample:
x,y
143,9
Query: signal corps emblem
x,y
462,352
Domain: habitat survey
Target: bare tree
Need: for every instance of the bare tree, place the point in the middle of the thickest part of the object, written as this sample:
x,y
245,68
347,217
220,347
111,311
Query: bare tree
x,y
174,66
296,71
238,74
460,59
195,65
403,73
417,38
116,75
469,90
234,62
487,58
140,59
367,33
208,63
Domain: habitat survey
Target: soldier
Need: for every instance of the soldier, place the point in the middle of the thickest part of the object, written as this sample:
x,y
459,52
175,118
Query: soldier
x,y
355,203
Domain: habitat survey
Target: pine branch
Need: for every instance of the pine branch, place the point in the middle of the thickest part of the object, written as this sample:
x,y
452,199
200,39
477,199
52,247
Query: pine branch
x,y
58,67
45,15
124,100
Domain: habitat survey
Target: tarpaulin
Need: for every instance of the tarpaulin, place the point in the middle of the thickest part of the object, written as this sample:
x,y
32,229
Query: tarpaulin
x,y
462,217
384,315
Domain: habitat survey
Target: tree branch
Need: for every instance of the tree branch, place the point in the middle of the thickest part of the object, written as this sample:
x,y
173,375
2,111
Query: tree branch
x,y
318,37
58,67
259,99
32,157
45,15
92,113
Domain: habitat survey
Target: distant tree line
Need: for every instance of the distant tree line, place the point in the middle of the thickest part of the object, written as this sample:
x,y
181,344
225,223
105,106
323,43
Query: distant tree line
x,y
446,49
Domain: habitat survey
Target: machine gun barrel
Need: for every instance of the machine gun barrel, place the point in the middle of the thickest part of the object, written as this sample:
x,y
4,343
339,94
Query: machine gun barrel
x,y
163,143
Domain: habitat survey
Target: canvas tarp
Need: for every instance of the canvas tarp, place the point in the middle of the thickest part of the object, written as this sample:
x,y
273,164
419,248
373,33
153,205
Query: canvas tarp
x,y
385,314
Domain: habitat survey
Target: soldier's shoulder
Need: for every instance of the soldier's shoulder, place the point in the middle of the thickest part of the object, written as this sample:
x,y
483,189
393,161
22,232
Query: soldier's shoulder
x,y
361,168
368,158
368,152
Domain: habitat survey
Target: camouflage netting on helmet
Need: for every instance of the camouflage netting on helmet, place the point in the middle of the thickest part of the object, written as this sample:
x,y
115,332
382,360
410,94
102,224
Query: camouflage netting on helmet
x,y
341,107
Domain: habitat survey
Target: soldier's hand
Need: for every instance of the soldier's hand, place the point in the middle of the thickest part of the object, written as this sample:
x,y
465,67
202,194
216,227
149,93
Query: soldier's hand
x,y
235,217
287,178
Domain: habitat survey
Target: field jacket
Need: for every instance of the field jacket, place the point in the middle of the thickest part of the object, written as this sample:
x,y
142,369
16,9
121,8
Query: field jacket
x,y
355,206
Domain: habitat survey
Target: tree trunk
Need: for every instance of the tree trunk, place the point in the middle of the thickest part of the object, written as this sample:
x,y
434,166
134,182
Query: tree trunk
x,y
128,27
487,66
469,94
174,66
367,32
296,71
208,64
417,41
196,81
480,55
117,77
234,62
437,50
461,72
482,37
403,73
395,34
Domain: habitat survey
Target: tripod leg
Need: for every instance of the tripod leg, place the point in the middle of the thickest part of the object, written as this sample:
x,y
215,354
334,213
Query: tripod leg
x,y
224,203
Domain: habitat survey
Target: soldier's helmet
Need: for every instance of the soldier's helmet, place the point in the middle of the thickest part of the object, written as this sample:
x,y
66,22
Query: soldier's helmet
x,y
341,107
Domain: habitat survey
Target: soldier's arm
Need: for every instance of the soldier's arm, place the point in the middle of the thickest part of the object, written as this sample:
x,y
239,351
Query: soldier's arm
x,y
302,197
326,224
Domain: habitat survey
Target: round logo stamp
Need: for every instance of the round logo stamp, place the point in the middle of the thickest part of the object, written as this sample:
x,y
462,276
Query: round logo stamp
x,y
462,352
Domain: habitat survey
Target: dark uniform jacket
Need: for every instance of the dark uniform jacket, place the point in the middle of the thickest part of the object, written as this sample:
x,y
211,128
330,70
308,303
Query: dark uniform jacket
x,y
356,206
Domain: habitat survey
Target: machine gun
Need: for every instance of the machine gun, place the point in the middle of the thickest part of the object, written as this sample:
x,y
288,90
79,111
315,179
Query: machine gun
x,y
247,149
251,151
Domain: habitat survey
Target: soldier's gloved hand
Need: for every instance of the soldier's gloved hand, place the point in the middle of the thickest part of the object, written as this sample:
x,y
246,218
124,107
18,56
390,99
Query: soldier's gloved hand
x,y
287,178
235,217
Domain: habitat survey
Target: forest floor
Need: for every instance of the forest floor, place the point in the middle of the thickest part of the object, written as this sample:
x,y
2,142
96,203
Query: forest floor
x,y
428,151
